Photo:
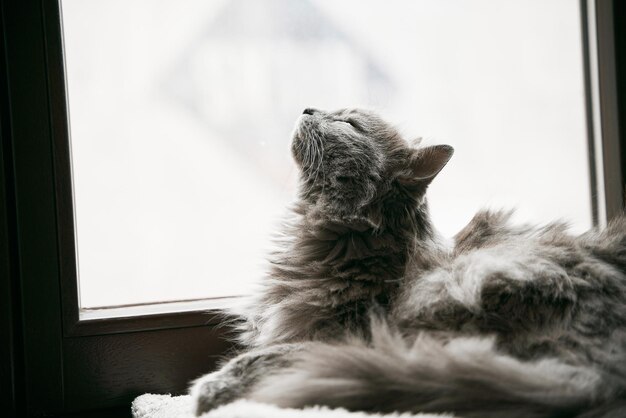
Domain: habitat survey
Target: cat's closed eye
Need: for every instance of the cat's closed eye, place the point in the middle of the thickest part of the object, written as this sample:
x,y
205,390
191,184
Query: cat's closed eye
x,y
343,179
347,121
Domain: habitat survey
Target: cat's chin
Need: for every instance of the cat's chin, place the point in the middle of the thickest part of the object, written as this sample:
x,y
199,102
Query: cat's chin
x,y
297,133
299,138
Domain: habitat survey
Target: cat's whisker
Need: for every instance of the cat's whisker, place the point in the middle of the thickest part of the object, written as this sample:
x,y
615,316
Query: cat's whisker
x,y
319,152
322,168
313,163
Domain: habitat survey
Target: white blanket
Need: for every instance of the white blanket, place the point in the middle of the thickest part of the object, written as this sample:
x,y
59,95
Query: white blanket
x,y
166,406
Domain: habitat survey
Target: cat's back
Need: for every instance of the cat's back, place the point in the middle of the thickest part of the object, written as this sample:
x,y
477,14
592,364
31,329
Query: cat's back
x,y
541,290
495,234
492,257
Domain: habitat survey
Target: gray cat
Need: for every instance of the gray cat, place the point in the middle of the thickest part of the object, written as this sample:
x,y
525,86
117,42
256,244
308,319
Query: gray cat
x,y
366,308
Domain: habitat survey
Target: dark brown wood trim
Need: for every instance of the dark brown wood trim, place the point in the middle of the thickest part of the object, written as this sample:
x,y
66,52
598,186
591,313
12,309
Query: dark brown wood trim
x,y
11,349
62,160
35,220
123,325
619,26
111,370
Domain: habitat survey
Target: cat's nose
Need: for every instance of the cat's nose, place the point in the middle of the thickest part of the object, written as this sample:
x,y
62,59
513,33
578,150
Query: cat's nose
x,y
309,111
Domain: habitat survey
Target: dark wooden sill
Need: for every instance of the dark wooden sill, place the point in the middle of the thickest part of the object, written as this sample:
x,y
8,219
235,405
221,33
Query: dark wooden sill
x,y
121,412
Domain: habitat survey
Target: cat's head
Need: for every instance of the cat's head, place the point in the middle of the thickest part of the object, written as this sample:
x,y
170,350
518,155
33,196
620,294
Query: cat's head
x,y
355,166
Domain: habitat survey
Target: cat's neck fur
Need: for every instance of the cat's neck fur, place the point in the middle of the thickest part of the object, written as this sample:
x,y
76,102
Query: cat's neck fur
x,y
326,248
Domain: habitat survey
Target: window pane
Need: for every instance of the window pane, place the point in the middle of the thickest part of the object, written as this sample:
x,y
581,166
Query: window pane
x,y
181,112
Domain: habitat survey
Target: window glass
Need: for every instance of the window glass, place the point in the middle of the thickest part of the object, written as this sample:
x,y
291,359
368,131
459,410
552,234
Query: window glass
x,y
181,113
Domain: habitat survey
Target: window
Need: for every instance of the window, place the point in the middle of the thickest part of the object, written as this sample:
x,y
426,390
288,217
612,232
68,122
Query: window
x,y
180,137
179,116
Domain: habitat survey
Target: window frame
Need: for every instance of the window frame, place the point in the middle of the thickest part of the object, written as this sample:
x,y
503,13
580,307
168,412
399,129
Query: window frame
x,y
73,324
58,364
61,364
605,146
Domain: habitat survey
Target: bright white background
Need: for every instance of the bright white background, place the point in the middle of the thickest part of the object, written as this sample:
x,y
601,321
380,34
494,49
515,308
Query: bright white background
x,y
181,112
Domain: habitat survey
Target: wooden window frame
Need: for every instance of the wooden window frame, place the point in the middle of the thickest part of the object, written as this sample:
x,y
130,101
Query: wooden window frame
x,y
54,363
69,365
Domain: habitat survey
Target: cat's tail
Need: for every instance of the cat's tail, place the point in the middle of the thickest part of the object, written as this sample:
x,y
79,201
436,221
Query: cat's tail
x,y
464,376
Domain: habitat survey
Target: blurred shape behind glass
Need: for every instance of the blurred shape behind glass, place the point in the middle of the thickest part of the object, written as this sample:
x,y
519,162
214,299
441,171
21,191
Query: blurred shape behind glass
x,y
181,113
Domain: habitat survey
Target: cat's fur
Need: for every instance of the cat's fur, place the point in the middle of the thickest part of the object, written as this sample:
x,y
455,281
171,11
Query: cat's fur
x,y
366,308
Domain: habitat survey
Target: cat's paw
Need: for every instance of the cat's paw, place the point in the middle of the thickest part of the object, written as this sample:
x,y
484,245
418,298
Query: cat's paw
x,y
212,390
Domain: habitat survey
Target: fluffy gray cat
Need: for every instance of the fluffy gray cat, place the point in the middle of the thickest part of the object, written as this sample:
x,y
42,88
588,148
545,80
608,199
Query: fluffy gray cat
x,y
365,308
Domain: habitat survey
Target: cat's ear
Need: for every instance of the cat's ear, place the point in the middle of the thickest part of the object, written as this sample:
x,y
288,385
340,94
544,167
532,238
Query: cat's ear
x,y
424,164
